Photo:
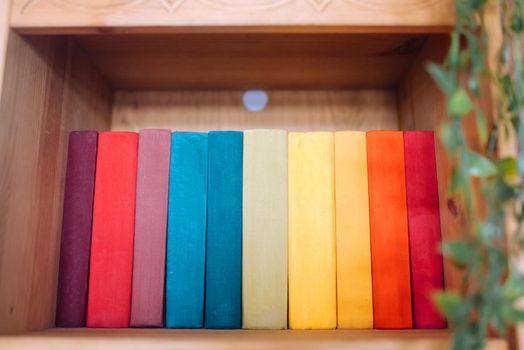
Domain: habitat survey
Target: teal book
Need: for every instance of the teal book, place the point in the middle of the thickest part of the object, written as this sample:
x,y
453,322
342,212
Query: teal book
x,y
224,231
186,230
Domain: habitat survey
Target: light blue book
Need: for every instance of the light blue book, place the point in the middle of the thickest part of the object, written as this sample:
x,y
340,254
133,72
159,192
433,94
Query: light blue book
x,y
186,230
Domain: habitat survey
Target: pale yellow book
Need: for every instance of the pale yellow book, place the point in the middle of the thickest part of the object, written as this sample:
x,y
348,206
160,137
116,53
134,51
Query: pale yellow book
x,y
312,250
354,292
265,228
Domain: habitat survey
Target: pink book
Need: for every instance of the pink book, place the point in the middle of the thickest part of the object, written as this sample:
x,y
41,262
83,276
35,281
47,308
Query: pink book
x,y
147,301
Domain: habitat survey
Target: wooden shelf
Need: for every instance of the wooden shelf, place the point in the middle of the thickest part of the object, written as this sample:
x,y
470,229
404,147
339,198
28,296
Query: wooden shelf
x,y
183,65
169,16
151,339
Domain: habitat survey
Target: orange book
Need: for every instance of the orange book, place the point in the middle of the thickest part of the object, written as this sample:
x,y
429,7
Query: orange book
x,y
388,222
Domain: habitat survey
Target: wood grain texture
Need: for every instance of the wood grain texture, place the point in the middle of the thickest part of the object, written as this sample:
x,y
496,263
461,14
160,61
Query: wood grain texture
x,y
72,16
149,339
289,110
239,61
45,95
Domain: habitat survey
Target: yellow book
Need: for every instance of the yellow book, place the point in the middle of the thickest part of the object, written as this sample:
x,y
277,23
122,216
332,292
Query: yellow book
x,y
354,293
264,253
312,251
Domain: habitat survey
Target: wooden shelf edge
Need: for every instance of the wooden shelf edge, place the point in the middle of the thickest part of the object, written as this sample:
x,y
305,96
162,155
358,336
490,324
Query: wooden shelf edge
x,y
151,339
232,29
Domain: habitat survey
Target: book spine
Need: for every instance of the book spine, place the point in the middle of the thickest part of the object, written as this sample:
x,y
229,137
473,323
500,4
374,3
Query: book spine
x,y
76,229
186,237
264,220
389,230
424,227
354,285
147,300
223,306
312,251
109,299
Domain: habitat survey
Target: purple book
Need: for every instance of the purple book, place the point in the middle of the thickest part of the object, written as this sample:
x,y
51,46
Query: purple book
x,y
76,229
147,301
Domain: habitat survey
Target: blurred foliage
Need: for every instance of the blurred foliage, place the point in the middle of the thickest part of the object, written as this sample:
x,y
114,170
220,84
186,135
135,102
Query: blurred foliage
x,y
485,254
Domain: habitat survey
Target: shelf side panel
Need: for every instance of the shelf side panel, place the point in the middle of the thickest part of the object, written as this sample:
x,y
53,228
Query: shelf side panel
x,y
49,89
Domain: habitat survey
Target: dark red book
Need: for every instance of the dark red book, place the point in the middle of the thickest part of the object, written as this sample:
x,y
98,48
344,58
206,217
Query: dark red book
x,y
424,227
109,300
76,229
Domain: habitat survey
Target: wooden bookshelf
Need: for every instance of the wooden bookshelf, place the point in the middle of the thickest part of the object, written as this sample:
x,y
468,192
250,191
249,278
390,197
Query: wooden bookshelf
x,y
58,339
183,65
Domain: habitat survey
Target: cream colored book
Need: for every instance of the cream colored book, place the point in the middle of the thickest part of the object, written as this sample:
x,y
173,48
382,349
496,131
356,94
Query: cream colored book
x,y
264,220
354,292
312,251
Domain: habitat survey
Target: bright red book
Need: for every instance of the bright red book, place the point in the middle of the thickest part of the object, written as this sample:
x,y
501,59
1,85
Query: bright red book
x,y
109,299
424,227
388,223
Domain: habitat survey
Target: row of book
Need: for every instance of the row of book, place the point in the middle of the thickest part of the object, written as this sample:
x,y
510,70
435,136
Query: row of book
x,y
261,229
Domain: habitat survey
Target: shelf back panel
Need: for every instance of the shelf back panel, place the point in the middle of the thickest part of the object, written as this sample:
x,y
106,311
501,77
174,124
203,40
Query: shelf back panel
x,y
286,109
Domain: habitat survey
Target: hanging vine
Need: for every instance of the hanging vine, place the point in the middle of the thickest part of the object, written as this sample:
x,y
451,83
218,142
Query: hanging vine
x,y
488,259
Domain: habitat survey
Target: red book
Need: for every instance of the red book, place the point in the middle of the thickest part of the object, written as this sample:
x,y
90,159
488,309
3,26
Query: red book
x,y
424,227
147,301
109,299
388,223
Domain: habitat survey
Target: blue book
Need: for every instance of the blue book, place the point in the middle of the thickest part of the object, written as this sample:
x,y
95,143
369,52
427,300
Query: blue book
x,y
224,231
186,230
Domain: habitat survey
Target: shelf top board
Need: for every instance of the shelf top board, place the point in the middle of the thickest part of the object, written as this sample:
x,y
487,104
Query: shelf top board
x,y
161,16
151,339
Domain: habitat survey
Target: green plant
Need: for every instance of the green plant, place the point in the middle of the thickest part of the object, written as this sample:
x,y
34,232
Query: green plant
x,y
486,255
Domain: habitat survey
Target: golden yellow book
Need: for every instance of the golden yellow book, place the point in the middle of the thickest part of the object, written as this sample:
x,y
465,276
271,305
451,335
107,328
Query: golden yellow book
x,y
354,292
312,251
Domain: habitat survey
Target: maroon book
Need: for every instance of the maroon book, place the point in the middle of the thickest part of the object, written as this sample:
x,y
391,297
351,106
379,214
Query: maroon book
x,y
76,229
149,259
424,227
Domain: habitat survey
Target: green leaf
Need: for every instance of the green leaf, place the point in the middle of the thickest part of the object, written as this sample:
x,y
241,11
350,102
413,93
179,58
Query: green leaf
x,y
461,253
508,167
482,128
514,286
453,306
504,191
473,85
459,103
478,165
456,183
513,314
454,50
450,136
444,79
517,24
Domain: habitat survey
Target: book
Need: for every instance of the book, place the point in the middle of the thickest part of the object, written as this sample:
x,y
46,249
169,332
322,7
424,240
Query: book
x,y
147,298
312,250
186,231
111,265
76,229
427,274
264,237
223,305
354,286
389,230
